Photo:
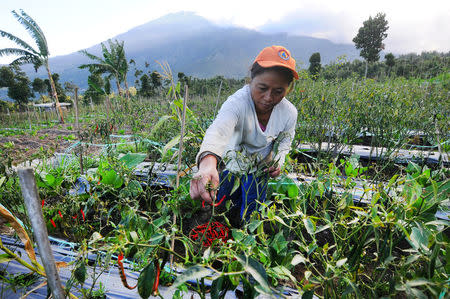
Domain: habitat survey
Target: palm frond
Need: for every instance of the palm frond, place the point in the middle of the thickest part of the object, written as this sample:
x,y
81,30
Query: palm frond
x,y
15,51
17,41
32,22
27,59
91,56
34,30
97,67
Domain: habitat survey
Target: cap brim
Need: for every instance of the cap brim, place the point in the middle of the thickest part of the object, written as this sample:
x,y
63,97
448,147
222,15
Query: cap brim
x,y
276,63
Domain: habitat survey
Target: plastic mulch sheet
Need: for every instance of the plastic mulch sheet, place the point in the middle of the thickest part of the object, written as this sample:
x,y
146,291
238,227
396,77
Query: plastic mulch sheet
x,y
110,279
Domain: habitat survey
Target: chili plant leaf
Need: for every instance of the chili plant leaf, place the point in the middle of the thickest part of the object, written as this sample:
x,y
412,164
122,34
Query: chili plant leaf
x,y
310,226
219,287
4,258
293,191
2,180
255,269
171,144
308,295
161,120
146,280
50,180
131,160
110,177
297,259
341,262
419,238
191,273
254,224
236,185
80,273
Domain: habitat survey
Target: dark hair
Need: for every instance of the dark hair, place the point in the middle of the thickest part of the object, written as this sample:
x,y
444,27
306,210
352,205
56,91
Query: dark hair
x,y
286,73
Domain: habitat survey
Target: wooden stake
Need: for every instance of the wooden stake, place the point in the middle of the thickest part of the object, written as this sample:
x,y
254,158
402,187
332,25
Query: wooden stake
x,y
29,118
180,151
77,126
34,210
76,109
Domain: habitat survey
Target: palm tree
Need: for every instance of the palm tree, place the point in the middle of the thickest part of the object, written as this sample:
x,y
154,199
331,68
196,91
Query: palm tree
x,y
114,63
27,54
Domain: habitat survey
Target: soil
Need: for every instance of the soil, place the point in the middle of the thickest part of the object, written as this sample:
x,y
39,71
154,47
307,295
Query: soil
x,y
46,141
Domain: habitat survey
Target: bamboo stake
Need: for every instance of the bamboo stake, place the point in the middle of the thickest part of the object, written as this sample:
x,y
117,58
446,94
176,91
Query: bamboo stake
x,y
180,151
76,109
77,126
34,210
29,118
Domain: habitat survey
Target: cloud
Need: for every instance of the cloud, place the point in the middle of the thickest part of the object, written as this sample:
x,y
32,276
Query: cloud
x,y
423,28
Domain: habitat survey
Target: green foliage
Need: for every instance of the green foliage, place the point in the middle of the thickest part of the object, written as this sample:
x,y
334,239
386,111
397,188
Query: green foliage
x,y
18,84
20,90
95,92
314,65
39,85
58,87
27,54
311,234
390,59
6,76
114,63
375,114
370,37
146,89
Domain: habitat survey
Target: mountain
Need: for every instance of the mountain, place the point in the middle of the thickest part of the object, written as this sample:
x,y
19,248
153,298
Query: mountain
x,y
197,47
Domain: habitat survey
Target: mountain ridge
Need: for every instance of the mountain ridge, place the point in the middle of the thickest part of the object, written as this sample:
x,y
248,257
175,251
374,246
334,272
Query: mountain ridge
x,y
195,46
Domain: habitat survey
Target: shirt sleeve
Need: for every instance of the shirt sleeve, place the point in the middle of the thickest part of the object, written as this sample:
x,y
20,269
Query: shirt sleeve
x,y
218,135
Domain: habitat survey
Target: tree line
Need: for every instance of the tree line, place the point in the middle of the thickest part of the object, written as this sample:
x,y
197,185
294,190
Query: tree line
x,y
369,40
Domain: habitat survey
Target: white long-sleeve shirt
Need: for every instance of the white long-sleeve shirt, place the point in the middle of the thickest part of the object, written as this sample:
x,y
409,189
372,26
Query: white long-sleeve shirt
x,y
236,136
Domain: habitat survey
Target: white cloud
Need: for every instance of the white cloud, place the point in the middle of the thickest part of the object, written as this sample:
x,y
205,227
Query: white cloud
x,y
73,25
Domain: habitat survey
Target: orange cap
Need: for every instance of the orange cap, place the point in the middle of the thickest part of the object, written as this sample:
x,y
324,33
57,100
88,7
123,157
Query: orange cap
x,y
276,56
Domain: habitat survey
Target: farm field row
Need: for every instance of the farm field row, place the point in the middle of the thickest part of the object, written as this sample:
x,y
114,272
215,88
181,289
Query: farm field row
x,y
310,236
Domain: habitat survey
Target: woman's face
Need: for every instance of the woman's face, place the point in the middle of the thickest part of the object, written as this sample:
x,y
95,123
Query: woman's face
x,y
268,89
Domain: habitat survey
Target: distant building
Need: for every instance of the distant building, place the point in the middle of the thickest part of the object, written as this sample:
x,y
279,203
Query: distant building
x,y
51,106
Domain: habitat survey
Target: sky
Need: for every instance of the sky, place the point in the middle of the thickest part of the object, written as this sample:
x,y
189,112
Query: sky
x,y
69,25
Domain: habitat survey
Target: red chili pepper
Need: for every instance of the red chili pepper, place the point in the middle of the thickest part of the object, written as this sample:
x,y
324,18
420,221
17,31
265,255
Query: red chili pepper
x,y
43,202
220,201
122,272
75,217
53,223
215,204
82,213
60,215
96,128
156,282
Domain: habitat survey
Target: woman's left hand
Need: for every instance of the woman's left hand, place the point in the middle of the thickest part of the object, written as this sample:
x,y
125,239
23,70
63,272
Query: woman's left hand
x,y
273,171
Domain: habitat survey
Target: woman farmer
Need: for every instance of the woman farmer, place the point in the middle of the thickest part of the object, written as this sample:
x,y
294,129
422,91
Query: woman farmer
x,y
243,136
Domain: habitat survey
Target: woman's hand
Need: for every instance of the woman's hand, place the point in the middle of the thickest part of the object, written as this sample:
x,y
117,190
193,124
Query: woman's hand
x,y
205,182
274,171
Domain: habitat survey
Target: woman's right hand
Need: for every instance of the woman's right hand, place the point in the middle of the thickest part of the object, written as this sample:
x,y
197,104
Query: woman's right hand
x,y
205,182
